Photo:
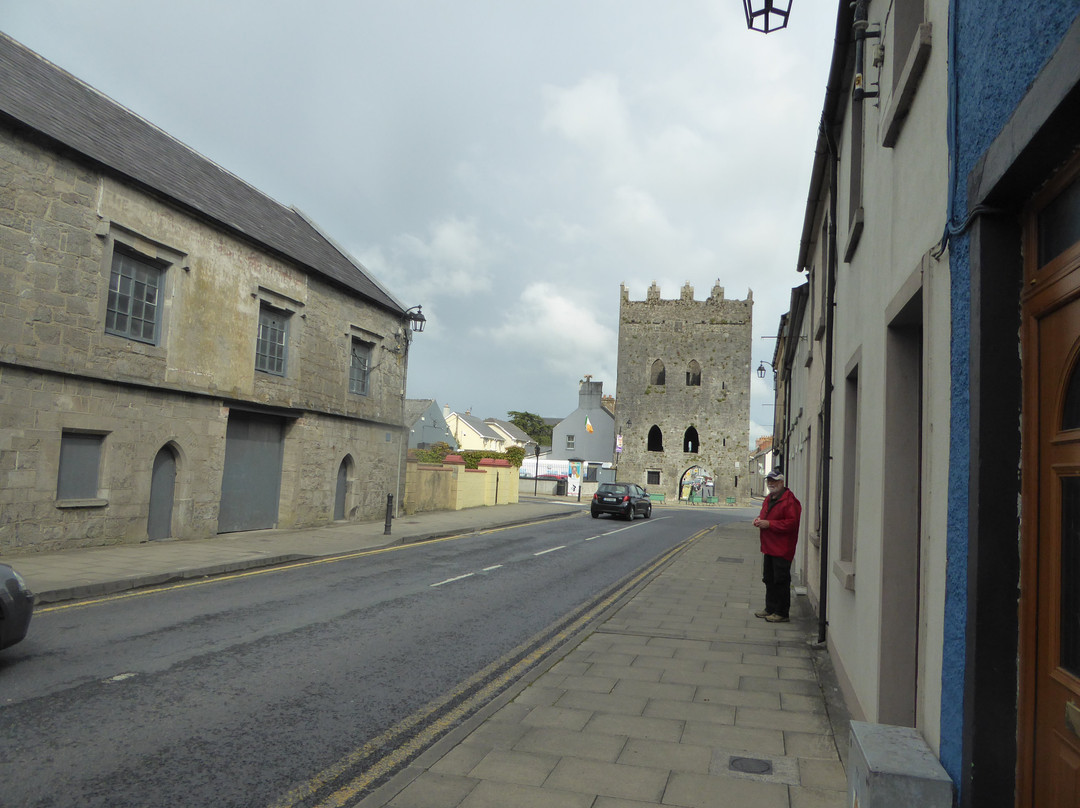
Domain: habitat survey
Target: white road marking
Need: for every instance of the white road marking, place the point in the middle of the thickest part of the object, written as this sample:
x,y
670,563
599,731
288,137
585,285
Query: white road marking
x,y
120,677
458,578
489,569
628,527
552,550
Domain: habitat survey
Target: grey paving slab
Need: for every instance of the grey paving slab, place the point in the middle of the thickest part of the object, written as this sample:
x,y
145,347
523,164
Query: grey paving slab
x,y
432,790
460,760
743,739
683,757
589,683
602,702
785,720
818,798
586,745
704,791
632,726
490,794
622,672
654,690
557,717
765,699
609,779
804,745
617,802
512,766
690,711
827,774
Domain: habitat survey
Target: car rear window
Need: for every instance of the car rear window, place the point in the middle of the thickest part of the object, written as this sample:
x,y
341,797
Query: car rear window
x,y
611,488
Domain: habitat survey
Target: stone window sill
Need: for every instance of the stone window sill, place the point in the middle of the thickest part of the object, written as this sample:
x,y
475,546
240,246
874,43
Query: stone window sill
x,y
904,95
845,573
81,503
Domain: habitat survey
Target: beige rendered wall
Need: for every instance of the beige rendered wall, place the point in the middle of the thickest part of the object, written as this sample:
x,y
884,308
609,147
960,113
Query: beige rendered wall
x,y
904,198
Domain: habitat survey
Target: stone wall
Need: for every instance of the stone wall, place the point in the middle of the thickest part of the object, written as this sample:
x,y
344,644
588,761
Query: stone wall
x,y
716,335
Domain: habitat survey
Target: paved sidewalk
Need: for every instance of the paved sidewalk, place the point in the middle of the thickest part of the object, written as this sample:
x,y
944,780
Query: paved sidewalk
x,y
663,704
95,571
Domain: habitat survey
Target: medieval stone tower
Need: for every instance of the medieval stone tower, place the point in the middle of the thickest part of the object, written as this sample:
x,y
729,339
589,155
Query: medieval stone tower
x,y
682,402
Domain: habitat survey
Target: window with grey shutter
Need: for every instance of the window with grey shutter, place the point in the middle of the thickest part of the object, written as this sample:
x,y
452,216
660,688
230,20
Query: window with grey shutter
x,y
80,461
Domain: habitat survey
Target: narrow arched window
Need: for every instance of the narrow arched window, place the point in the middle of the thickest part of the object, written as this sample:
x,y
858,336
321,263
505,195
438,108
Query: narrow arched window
x,y
657,374
690,441
693,374
656,439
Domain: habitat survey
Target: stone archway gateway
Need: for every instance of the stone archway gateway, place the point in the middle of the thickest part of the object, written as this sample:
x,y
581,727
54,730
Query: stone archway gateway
x,y
695,485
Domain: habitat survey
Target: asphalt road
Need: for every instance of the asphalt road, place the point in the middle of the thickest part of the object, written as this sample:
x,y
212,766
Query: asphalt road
x,y
274,687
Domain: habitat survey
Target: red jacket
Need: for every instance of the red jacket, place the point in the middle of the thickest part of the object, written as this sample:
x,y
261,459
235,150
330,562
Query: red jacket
x,y
779,538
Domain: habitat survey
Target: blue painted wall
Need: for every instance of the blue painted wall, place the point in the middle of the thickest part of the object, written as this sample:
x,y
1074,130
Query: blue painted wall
x,y
997,48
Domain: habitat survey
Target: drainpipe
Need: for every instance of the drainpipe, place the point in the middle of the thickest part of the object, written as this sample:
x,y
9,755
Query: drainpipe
x,y
826,435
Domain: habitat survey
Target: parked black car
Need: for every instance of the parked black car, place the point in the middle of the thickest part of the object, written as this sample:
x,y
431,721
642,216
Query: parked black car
x,y
16,606
623,499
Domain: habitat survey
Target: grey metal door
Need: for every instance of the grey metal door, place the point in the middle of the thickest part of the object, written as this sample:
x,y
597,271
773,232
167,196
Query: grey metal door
x,y
342,487
251,482
162,485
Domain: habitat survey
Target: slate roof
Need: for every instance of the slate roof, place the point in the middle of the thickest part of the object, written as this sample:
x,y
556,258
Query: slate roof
x,y
510,429
415,407
479,427
48,100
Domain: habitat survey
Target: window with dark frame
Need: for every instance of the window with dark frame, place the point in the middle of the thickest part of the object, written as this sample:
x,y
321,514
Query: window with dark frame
x,y
652,478
133,310
270,351
360,368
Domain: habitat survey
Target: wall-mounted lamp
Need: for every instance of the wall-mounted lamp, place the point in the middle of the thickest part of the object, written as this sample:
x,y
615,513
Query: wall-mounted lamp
x,y
766,15
761,369
416,319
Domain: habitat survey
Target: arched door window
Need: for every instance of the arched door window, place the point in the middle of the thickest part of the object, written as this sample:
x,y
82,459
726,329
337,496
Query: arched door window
x,y
656,439
657,374
690,440
693,374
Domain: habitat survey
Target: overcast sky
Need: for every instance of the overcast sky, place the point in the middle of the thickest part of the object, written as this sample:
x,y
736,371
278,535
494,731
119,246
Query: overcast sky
x,y
504,163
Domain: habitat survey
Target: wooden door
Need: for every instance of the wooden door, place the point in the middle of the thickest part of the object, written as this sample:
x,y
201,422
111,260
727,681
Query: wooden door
x,y
1052,497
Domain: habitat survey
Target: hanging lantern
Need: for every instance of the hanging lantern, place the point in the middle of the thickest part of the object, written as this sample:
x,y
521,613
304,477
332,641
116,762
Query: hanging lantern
x,y
766,15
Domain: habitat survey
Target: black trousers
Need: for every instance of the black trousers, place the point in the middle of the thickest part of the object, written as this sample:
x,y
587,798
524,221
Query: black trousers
x,y
776,575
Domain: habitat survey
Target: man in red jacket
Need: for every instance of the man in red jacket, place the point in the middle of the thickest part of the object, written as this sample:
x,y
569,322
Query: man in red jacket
x,y
779,525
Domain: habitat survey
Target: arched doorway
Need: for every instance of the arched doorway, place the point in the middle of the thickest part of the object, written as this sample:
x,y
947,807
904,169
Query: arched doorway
x,y
162,487
695,484
341,490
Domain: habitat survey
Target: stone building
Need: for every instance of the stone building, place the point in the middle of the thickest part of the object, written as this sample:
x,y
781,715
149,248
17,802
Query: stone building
x,y
180,355
682,403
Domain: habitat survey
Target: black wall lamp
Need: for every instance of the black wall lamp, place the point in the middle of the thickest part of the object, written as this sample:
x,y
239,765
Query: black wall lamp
x,y
761,369
416,319
766,15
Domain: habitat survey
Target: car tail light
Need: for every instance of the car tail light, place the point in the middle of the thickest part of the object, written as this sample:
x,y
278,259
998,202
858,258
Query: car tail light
x,y
626,498
596,495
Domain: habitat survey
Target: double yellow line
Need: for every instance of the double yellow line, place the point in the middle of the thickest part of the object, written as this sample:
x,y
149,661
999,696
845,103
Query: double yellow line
x,y
434,720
